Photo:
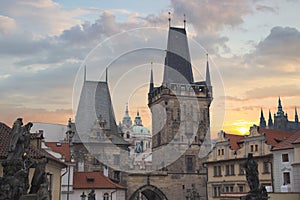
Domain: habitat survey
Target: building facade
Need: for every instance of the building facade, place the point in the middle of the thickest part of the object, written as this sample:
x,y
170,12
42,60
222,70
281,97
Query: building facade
x,y
286,164
225,165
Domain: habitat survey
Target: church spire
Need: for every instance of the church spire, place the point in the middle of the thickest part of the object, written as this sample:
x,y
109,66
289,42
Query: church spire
x,y
280,111
262,122
296,115
151,87
270,121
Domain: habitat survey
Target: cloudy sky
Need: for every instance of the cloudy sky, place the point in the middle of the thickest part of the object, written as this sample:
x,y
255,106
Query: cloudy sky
x,y
254,46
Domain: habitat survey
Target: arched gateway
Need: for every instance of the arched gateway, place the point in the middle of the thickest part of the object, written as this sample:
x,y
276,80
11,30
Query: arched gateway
x,y
148,192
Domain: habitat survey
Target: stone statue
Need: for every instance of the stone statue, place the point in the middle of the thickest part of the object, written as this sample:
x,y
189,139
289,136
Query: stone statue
x,y
92,195
252,173
15,181
20,140
256,192
39,176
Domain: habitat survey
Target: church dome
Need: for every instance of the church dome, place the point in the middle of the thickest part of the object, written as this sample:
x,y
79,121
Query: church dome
x,y
140,130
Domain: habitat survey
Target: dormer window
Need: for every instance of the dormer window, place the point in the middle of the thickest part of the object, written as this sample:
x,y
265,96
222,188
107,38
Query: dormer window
x,y
90,180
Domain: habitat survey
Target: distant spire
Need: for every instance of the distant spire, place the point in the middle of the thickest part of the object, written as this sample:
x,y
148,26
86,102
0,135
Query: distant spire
x,y
169,19
127,119
126,109
151,80
296,115
262,122
84,75
270,121
207,72
280,111
184,21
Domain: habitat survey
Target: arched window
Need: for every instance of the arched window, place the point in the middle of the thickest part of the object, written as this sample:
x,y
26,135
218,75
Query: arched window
x,y
105,196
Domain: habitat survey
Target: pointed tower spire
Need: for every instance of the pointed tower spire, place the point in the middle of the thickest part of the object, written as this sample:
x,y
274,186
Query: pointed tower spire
x,y
262,122
151,87
296,116
280,111
126,109
207,72
127,119
270,121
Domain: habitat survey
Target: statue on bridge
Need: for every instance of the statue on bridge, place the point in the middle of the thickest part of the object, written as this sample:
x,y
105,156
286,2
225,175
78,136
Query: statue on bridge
x,y
256,192
15,181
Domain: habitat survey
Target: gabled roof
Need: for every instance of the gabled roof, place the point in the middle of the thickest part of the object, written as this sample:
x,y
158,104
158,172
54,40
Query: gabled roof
x,y
93,180
35,153
62,148
288,142
273,137
234,140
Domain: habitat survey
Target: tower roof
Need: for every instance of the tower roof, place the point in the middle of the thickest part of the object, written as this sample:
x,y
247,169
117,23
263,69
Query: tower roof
x,y
151,87
94,101
207,80
178,68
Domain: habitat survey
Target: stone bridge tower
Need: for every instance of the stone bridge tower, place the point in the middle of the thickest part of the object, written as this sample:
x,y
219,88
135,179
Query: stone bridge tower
x,y
180,129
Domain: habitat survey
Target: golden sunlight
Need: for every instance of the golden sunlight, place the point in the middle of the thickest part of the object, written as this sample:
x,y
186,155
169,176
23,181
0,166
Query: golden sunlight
x,y
243,130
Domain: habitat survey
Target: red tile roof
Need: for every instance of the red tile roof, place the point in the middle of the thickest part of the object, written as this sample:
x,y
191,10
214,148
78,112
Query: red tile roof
x,y
273,137
288,142
34,152
298,139
93,180
234,140
62,148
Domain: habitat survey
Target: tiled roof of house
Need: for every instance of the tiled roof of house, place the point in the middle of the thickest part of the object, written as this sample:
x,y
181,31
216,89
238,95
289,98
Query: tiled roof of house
x,y
62,148
298,139
234,140
93,180
288,142
273,137
34,152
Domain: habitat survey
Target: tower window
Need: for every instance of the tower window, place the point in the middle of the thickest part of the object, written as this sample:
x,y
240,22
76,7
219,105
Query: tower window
x,y
190,164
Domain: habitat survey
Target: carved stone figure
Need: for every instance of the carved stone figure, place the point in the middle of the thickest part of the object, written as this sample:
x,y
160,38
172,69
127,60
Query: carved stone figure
x,y
256,192
252,173
15,182
39,176
92,195
20,140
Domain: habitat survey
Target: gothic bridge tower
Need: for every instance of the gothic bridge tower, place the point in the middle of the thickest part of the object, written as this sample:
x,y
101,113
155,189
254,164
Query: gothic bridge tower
x,y
180,126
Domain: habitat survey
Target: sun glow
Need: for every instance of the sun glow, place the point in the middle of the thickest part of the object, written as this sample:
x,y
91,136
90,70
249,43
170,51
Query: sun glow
x,y
243,130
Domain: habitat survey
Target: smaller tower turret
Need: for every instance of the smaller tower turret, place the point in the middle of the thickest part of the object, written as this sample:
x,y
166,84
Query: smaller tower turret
x,y
296,116
262,122
151,87
270,121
